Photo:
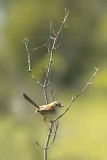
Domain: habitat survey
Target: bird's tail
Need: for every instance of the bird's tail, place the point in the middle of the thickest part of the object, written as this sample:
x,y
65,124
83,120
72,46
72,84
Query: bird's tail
x,y
29,100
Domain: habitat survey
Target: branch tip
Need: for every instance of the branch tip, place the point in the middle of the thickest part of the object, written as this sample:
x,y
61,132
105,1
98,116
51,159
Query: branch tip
x,y
39,145
97,69
26,40
73,98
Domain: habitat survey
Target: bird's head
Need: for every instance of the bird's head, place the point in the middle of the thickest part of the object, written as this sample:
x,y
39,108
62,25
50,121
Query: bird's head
x,y
57,104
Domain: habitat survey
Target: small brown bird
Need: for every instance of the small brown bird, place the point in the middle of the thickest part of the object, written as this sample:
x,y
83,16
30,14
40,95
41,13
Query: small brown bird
x,y
48,111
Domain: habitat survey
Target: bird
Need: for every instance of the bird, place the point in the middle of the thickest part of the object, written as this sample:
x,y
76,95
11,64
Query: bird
x,y
48,111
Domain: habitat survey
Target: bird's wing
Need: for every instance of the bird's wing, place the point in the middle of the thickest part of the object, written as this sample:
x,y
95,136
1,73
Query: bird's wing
x,y
46,109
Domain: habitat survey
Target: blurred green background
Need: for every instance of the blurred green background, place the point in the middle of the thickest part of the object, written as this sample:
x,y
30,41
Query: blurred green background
x,y
82,134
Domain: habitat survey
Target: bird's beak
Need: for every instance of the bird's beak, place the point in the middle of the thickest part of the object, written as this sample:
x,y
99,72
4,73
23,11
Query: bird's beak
x,y
62,105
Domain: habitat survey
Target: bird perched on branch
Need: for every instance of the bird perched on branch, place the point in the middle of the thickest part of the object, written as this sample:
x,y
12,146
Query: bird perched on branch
x,y
48,111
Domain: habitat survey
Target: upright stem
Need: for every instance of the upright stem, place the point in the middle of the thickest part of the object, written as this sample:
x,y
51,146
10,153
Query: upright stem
x,y
47,141
52,48
45,95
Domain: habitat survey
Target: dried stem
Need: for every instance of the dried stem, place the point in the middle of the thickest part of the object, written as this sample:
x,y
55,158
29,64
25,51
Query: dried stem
x,y
26,41
47,141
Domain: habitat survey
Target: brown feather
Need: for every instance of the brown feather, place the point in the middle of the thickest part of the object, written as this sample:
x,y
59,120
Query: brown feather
x,y
29,100
46,109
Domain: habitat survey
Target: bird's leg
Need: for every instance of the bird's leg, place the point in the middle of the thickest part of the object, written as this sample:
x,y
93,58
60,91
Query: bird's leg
x,y
47,125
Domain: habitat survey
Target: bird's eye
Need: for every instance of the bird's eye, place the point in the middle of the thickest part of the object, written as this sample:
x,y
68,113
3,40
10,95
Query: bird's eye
x,y
59,105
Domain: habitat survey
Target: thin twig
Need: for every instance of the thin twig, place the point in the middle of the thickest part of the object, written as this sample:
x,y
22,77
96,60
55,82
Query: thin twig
x,y
74,98
35,49
45,94
39,145
55,131
26,41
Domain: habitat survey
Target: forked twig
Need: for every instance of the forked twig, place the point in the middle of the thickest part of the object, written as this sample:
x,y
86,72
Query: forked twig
x,y
26,41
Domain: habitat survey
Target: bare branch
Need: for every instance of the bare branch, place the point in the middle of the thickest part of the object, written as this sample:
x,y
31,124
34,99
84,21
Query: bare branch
x,y
51,51
45,94
26,41
35,79
74,98
52,95
47,141
55,131
52,31
39,145
59,42
35,49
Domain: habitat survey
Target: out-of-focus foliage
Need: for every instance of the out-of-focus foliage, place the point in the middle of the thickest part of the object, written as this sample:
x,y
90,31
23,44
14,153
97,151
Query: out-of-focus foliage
x,y
83,130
